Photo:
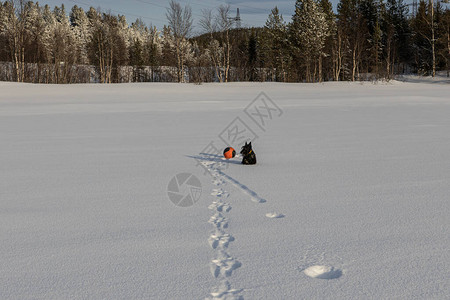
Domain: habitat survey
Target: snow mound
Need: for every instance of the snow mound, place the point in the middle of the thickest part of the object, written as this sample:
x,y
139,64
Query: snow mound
x,y
274,215
323,272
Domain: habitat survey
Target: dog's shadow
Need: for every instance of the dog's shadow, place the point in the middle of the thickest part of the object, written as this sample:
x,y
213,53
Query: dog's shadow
x,y
217,158
214,158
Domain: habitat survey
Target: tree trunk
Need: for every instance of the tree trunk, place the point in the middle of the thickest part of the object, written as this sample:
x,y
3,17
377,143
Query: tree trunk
x,y
354,62
320,68
338,58
448,48
432,38
227,68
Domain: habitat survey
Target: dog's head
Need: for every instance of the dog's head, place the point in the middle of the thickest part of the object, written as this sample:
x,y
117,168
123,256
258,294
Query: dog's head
x,y
246,149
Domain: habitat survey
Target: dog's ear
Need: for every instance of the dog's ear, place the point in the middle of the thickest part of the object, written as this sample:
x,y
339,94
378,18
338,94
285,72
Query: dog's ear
x,y
245,143
250,144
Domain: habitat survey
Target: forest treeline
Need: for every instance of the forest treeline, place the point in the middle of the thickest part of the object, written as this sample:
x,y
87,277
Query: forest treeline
x,y
362,40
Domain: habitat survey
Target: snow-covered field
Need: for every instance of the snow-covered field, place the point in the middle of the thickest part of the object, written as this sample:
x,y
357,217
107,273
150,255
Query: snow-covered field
x,y
350,198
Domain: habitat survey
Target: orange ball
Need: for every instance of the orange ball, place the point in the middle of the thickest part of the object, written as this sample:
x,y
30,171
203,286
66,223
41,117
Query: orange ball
x,y
229,153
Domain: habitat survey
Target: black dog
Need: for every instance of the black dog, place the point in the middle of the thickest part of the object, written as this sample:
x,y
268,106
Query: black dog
x,y
249,156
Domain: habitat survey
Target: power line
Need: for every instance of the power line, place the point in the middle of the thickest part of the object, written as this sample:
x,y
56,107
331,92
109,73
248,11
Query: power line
x,y
199,4
247,6
209,6
151,3
231,5
120,12
161,6
253,8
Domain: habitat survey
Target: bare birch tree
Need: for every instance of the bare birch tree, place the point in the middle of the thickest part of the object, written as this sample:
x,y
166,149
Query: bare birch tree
x,y
180,23
210,27
15,31
219,27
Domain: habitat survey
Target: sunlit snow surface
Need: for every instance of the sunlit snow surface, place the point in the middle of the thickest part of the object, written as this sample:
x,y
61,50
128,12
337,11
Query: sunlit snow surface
x,y
350,198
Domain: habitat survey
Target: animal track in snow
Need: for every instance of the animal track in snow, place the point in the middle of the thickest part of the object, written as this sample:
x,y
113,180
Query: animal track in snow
x,y
274,215
220,239
257,200
218,182
219,221
224,265
220,193
225,292
220,206
323,272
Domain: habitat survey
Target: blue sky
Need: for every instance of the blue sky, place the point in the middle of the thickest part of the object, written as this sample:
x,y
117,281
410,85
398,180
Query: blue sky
x,y
253,13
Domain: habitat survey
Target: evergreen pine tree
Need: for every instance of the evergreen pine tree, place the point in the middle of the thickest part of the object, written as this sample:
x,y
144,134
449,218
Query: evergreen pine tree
x,y
309,30
274,46
82,32
396,22
328,61
421,41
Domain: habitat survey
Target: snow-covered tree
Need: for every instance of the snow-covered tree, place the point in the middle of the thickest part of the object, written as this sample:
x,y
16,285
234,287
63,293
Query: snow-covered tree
x,y
443,38
154,47
329,61
182,51
13,13
180,24
218,28
108,46
350,22
81,31
50,24
274,46
60,43
365,36
309,30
